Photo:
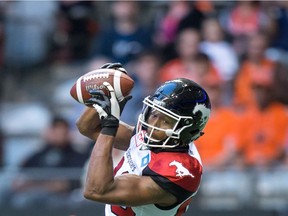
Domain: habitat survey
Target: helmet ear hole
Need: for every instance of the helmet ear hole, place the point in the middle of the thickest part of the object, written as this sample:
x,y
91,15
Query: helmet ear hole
x,y
184,123
188,121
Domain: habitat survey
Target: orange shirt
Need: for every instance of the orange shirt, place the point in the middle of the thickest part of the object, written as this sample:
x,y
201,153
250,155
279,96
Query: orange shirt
x,y
176,69
243,88
221,135
264,134
241,23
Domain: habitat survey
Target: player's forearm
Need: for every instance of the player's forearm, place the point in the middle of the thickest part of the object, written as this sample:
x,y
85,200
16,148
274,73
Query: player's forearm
x,y
122,139
100,178
88,123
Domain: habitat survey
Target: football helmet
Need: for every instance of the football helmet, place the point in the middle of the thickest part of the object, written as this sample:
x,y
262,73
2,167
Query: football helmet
x,y
182,100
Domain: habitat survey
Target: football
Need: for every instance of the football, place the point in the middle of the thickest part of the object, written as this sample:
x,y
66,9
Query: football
x,y
120,81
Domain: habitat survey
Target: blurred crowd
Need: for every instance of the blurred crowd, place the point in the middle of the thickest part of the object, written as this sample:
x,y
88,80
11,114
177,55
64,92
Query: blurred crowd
x,y
237,50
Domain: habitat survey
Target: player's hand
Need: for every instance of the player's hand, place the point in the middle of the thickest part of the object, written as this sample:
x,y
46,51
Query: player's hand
x,y
117,66
109,110
123,102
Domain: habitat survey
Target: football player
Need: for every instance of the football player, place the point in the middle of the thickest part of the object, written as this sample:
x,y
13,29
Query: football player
x,y
161,169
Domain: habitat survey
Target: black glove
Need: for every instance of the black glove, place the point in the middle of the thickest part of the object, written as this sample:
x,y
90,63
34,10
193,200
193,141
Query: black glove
x,y
116,66
123,102
109,110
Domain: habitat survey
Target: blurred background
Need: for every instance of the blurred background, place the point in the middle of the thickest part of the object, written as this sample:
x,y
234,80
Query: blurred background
x,y
237,50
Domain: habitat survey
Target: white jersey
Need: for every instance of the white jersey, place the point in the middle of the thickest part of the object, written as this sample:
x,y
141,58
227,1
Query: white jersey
x,y
176,172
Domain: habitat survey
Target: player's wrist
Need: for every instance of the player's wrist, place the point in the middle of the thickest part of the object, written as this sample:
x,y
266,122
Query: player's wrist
x,y
109,125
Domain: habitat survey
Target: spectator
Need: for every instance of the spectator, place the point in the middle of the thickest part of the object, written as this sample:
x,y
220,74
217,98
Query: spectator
x,y
74,31
264,126
166,26
242,19
1,149
146,75
219,146
193,19
206,7
27,31
286,145
256,63
278,49
214,44
57,152
279,11
281,78
127,37
190,63
2,8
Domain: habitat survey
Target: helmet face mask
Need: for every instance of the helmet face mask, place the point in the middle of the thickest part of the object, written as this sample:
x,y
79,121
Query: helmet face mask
x,y
171,133
187,106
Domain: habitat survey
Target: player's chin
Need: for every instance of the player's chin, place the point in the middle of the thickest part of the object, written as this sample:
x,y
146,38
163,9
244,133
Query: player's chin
x,y
157,135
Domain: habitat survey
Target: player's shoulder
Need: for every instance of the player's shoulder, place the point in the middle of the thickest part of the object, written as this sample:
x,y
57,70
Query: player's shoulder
x,y
179,159
179,168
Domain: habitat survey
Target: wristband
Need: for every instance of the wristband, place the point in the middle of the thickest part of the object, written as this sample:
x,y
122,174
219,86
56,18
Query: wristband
x,y
111,131
109,125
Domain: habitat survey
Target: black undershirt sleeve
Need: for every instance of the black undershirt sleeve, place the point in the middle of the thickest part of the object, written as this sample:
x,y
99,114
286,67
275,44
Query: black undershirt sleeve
x,y
180,193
